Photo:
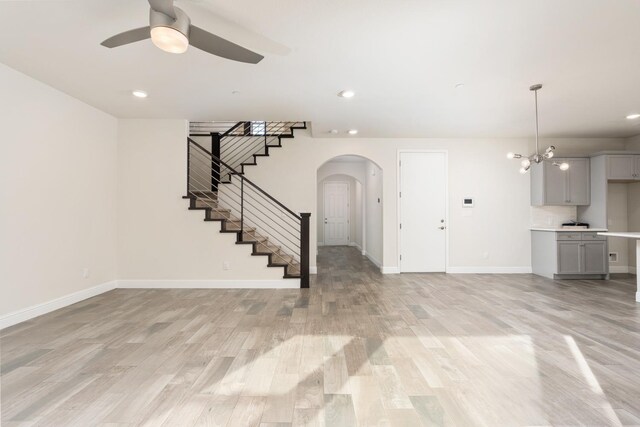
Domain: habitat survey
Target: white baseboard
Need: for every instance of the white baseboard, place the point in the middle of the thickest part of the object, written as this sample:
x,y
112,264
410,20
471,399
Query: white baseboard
x,y
632,270
618,269
210,284
313,270
373,260
383,269
55,304
489,270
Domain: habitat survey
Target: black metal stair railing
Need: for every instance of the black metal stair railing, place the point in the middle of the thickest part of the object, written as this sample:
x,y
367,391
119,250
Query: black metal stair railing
x,y
239,144
255,216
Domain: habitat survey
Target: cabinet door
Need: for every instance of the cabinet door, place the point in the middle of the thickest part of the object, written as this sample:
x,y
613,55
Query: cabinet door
x,y
578,182
569,258
621,166
637,169
555,184
594,257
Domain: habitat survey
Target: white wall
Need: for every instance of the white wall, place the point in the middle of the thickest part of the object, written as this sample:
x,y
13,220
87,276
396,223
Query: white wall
x,y
633,219
158,238
617,218
495,237
58,192
359,216
633,143
373,213
333,167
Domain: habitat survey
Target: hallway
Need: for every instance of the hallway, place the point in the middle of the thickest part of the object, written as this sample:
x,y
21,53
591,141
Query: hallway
x,y
357,348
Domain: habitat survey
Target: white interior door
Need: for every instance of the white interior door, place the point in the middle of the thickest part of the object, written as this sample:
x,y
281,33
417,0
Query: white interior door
x,y
336,213
423,212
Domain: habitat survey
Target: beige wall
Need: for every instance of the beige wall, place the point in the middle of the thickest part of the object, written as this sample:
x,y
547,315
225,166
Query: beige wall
x,y
633,143
633,218
58,190
374,202
158,238
617,218
495,236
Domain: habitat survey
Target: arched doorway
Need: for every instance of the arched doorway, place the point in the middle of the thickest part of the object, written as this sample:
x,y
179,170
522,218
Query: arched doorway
x,y
349,205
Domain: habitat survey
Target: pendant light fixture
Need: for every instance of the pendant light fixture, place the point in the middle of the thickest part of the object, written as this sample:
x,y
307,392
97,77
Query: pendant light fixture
x,y
536,157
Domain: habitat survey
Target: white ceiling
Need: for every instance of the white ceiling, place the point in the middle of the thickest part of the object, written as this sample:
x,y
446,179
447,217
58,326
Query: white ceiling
x,y
402,57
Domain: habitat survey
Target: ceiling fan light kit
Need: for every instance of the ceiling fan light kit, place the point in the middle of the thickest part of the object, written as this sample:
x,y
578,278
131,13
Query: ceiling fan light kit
x,y
169,34
537,158
170,29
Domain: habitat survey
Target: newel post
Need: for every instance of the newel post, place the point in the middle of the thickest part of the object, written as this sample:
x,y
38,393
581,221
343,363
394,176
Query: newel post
x,y
188,168
304,250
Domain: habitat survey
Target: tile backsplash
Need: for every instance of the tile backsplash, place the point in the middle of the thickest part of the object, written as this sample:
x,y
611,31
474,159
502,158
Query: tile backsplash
x,y
552,216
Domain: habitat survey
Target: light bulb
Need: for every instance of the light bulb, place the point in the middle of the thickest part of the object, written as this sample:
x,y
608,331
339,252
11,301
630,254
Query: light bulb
x,y
549,154
169,39
564,166
523,170
510,155
526,163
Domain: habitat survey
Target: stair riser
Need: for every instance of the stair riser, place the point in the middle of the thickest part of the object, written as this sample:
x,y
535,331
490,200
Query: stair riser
x,y
208,201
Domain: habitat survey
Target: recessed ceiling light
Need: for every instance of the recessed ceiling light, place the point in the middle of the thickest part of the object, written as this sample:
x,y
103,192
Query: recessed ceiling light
x,y
633,116
353,131
333,131
346,94
459,85
139,94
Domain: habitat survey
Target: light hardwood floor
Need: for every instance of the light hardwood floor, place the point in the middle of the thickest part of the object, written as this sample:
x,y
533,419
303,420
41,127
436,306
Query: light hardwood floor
x,y
358,348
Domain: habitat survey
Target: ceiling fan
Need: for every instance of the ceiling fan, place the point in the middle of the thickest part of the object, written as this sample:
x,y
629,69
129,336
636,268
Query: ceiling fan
x,y
170,29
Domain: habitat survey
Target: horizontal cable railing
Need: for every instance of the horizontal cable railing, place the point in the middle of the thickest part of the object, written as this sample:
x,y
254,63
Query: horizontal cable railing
x,y
239,143
248,210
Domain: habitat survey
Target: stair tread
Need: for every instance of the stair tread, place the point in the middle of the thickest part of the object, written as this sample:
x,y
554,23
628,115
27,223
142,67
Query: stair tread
x,y
261,244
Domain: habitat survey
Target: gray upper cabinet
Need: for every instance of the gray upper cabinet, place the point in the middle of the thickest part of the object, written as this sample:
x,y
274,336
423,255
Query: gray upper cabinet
x,y
623,167
552,186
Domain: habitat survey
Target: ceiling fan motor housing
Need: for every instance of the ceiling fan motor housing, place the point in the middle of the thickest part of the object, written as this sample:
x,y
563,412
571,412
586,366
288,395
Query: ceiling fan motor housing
x,y
182,22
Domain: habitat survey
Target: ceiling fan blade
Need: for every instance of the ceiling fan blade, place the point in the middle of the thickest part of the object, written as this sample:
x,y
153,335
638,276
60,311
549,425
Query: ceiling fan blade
x,y
163,6
127,37
218,46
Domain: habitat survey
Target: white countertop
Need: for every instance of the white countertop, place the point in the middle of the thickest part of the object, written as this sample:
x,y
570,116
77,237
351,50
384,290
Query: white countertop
x,y
556,229
627,234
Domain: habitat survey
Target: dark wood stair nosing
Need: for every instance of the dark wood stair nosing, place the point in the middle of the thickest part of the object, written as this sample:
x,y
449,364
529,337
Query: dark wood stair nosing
x,y
239,233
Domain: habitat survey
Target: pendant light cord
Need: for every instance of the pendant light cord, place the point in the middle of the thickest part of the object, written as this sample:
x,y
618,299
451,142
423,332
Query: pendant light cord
x,y
536,95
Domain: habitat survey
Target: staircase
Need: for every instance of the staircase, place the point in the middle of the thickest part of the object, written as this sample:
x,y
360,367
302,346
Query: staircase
x,y
216,185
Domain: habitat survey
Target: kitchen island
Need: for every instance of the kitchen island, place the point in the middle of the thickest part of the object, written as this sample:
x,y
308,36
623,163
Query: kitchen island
x,y
629,235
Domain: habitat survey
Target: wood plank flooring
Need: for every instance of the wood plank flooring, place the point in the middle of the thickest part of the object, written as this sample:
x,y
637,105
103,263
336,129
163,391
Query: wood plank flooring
x,y
358,348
